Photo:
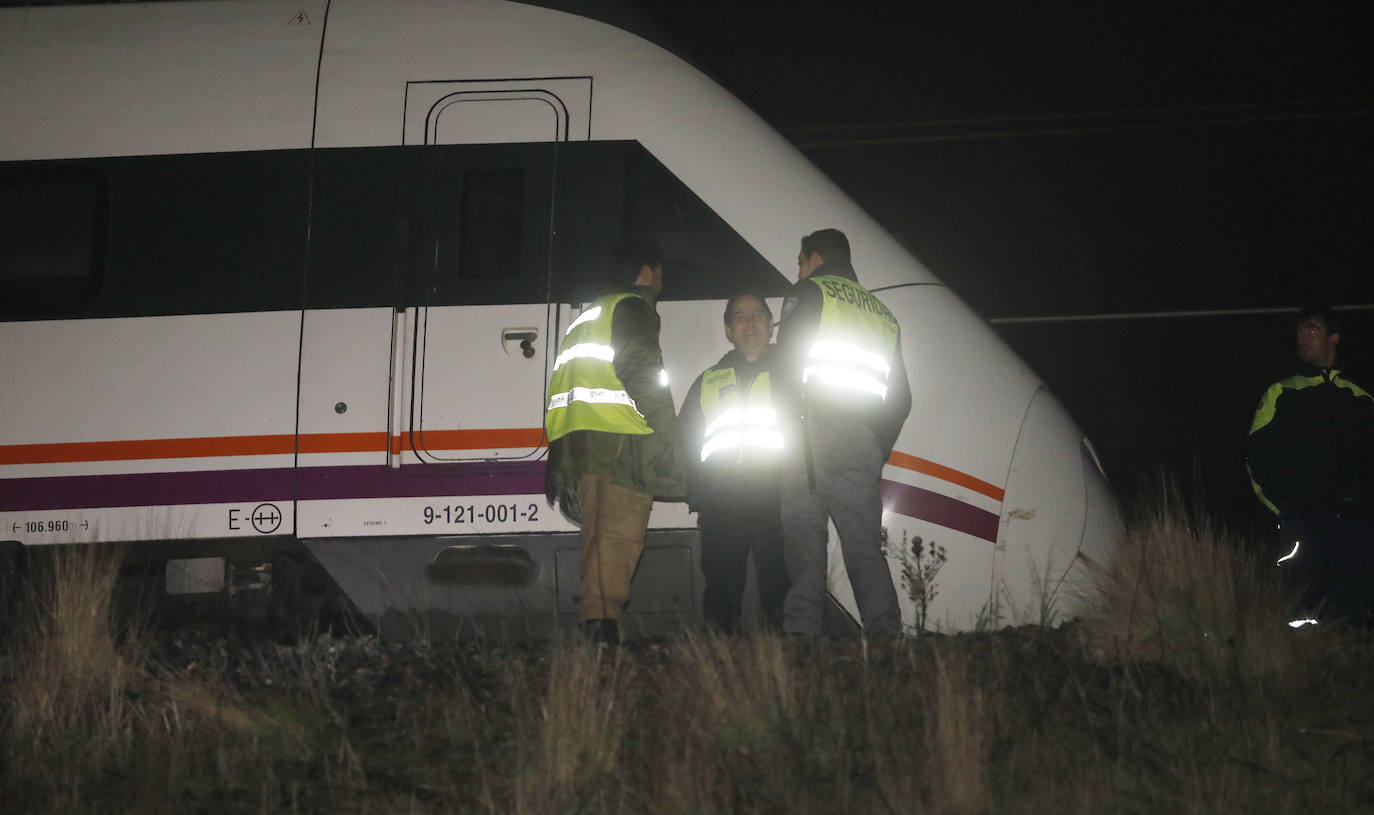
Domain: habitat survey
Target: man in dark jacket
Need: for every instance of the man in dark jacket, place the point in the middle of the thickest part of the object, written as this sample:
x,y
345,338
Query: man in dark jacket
x,y
613,442
841,366
733,446
1310,454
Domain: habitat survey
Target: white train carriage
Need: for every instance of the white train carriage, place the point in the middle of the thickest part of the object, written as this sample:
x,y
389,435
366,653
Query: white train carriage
x,y
280,283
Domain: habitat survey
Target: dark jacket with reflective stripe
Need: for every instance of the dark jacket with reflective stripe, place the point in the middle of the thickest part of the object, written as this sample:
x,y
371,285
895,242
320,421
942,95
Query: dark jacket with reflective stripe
x,y
650,464
723,481
1311,445
800,317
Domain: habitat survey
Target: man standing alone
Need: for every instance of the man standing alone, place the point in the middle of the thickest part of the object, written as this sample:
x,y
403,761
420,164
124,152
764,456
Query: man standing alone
x,y
1310,454
734,446
613,444
841,353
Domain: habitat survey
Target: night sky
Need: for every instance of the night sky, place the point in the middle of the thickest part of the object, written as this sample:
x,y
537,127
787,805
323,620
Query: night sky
x,y
1054,159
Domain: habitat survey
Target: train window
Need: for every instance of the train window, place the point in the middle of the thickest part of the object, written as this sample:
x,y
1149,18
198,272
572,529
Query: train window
x,y
488,207
611,190
492,224
52,240
205,233
433,225
145,235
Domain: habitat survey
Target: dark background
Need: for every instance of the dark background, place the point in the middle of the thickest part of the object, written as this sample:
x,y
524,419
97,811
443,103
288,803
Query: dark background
x,y
1097,160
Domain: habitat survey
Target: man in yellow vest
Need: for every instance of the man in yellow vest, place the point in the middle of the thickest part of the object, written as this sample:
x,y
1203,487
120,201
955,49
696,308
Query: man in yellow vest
x,y
613,440
733,444
841,366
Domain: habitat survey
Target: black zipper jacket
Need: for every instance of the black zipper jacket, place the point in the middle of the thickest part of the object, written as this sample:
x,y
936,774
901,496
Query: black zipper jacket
x,y
1311,445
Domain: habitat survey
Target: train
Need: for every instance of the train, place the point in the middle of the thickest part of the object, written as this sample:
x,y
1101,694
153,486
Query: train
x,y
281,284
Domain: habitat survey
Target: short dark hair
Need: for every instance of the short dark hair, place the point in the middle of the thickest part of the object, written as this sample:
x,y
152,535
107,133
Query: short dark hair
x,y
629,257
734,298
830,244
1324,314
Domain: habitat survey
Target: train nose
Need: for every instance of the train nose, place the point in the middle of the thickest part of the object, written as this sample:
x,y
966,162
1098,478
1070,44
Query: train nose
x,y
1060,524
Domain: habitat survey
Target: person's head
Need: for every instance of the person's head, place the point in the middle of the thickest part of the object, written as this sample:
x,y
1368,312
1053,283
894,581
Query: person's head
x,y
821,246
748,324
1317,336
637,262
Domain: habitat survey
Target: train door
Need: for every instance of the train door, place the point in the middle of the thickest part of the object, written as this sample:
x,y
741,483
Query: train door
x,y
429,329
474,345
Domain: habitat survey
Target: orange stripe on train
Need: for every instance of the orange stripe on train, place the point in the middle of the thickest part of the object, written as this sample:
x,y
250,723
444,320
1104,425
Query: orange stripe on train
x,y
282,444
940,471
146,448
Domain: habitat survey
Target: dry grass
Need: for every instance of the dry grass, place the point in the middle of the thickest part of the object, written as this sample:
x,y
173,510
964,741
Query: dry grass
x,y
960,735
1188,594
744,722
70,654
1182,691
89,712
571,736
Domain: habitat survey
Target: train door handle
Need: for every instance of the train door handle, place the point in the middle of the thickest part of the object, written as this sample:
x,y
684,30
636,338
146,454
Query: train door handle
x,y
524,336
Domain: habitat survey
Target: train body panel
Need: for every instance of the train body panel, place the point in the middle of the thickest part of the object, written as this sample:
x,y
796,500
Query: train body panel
x,y
82,81
309,292
145,427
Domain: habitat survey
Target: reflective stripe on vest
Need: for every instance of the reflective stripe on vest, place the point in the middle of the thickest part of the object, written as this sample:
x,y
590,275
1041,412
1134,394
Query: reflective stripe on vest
x,y
736,420
855,341
585,393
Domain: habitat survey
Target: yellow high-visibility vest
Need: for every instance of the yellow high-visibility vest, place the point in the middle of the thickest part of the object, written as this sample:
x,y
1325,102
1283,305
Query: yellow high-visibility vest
x,y
855,342
736,420
584,392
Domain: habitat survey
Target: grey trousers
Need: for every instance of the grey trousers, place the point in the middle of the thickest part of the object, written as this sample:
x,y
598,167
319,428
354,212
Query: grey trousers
x,y
848,466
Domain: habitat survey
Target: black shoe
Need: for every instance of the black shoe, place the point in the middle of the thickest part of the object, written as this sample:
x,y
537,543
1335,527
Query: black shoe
x,y
602,632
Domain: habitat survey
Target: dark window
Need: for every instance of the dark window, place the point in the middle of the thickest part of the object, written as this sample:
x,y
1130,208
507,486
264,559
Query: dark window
x,y
471,225
52,239
368,245
433,225
704,257
492,224
206,233
149,235
608,191
47,231
488,212
430,225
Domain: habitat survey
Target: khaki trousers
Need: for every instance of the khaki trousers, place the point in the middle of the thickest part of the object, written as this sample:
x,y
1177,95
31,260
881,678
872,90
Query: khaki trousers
x,y
613,523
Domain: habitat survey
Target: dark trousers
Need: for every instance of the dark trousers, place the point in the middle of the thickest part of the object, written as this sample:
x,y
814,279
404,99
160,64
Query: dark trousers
x,y
848,467
1328,562
728,535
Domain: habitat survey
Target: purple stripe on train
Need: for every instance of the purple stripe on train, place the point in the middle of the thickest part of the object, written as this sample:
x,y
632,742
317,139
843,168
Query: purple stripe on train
x,y
279,484
146,489
422,480
940,509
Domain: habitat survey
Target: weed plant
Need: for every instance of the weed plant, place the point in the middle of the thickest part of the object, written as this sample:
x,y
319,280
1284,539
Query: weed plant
x,y
1179,690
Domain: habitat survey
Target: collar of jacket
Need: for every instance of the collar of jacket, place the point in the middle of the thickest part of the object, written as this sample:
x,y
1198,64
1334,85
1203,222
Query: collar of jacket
x,y
647,292
1328,374
734,359
838,268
